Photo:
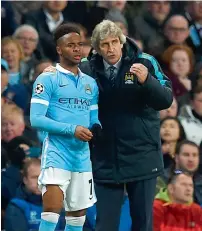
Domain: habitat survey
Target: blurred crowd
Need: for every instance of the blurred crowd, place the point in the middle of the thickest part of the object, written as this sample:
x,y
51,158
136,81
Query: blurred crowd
x,y
171,32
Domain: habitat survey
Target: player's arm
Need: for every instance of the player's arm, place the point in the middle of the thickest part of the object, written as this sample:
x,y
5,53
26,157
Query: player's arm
x,y
94,107
95,125
42,91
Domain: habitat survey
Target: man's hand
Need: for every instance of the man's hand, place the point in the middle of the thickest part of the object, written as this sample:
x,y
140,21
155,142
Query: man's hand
x,y
50,69
140,71
83,134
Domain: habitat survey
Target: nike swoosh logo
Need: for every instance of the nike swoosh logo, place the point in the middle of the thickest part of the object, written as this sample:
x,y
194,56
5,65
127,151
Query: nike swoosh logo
x,y
63,85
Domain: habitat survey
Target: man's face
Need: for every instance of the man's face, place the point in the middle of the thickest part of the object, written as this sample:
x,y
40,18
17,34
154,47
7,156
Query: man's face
x,y
177,30
55,6
197,10
159,9
11,127
31,179
110,49
188,158
197,103
28,40
70,48
182,190
4,79
171,111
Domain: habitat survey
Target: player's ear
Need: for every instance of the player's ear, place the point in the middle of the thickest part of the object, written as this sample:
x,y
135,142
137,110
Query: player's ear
x,y
58,50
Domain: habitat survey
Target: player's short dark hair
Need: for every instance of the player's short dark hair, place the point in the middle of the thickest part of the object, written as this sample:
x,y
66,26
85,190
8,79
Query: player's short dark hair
x,y
65,29
182,143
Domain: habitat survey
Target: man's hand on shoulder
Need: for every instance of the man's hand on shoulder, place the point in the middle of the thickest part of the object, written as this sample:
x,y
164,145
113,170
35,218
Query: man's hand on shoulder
x,y
140,71
83,133
49,69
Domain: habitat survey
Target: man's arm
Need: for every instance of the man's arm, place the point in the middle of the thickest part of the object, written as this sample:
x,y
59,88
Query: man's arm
x,y
15,219
94,107
156,85
42,91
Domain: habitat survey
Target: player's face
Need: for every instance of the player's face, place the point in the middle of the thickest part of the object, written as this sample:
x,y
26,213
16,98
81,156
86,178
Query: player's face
x,y
70,48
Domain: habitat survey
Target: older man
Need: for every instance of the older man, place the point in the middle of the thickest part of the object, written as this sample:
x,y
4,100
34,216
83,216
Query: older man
x,y
132,90
28,37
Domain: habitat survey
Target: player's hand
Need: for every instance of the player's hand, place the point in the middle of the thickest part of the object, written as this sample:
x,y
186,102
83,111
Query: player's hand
x,y
83,134
140,71
50,69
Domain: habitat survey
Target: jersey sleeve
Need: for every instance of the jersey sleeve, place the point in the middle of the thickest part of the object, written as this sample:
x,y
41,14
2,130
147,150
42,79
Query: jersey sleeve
x,y
94,107
42,91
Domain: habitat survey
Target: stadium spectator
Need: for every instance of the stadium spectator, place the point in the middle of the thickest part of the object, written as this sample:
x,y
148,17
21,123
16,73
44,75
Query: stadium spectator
x,y
187,159
21,8
13,53
12,122
196,80
176,30
26,206
191,116
4,75
117,17
28,38
194,15
171,133
100,10
11,174
152,20
174,208
8,23
45,21
171,111
179,60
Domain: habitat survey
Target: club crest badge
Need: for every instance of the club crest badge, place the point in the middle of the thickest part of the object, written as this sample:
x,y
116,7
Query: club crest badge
x,y
129,78
88,89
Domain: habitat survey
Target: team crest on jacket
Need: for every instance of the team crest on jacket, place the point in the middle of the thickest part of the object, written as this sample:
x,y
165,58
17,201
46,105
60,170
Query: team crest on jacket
x,y
129,78
88,89
39,88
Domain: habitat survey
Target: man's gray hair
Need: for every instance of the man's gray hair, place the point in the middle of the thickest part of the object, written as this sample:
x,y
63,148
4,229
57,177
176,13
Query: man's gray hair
x,y
105,29
23,28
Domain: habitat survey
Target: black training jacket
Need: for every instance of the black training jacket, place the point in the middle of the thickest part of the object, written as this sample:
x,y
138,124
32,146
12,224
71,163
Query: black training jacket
x,y
130,147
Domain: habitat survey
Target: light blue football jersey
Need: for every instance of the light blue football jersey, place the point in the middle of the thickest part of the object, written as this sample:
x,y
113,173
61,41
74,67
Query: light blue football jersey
x,y
61,101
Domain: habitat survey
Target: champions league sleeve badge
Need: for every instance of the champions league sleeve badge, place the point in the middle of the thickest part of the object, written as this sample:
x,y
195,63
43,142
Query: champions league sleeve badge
x,y
129,78
39,88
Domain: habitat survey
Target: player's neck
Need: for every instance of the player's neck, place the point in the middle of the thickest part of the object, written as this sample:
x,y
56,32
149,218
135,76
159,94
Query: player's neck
x,y
72,68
